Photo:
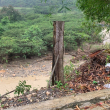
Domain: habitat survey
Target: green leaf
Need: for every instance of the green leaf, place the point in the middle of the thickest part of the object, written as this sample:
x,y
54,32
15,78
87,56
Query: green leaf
x,y
94,82
68,8
61,9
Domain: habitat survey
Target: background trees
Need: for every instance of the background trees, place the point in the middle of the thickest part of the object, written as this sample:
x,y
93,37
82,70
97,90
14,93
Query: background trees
x,y
10,13
24,32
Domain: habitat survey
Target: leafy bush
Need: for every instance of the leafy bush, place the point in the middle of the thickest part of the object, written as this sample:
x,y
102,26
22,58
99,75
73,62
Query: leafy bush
x,y
31,42
48,40
5,20
22,87
28,44
81,37
16,25
33,32
32,16
1,31
12,14
6,47
13,32
69,43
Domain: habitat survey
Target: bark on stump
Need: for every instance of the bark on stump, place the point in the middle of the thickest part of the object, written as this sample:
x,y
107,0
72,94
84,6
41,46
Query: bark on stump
x,y
58,49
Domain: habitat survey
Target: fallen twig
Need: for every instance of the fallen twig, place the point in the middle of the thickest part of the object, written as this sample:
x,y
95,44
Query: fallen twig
x,y
6,94
77,107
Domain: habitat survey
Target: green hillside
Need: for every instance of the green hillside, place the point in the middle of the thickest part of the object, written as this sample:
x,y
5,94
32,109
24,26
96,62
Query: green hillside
x,y
28,32
50,6
32,3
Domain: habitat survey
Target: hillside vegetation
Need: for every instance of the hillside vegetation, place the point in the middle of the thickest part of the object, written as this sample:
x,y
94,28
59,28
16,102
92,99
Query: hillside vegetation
x,y
26,32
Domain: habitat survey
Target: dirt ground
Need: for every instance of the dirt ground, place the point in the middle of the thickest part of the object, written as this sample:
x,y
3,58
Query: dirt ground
x,y
35,71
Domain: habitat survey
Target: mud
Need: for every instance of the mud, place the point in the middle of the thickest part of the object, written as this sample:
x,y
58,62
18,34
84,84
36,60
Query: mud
x,y
35,71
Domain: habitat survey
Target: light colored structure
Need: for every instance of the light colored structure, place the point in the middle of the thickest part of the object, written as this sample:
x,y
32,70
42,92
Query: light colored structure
x,y
106,36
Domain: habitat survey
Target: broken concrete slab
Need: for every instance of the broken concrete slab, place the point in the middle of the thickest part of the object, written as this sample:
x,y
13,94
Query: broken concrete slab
x,y
65,102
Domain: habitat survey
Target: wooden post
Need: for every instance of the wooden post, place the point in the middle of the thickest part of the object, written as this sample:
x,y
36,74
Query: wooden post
x,y
58,48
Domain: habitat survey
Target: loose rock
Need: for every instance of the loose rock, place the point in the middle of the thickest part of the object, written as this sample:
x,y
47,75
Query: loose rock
x,y
47,93
13,75
3,99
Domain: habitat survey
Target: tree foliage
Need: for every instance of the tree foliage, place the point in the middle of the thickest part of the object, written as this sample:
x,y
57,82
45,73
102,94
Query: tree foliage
x,y
33,35
12,14
95,9
42,6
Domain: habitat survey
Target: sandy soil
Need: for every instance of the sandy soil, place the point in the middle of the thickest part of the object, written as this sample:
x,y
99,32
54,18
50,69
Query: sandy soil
x,y
35,71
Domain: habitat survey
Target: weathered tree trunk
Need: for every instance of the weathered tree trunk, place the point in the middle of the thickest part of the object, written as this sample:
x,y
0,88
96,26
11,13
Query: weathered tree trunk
x,y
58,48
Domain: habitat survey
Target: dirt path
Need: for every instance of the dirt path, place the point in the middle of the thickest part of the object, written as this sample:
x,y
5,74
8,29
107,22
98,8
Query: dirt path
x,y
35,71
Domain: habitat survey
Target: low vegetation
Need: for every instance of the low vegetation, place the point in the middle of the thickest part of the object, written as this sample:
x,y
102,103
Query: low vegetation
x,y
24,32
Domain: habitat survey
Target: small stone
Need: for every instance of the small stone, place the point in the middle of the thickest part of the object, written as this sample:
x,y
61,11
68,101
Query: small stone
x,y
51,98
47,93
1,75
13,75
103,98
85,104
37,100
6,104
34,94
31,100
15,99
11,105
10,98
29,96
3,99
43,65
14,104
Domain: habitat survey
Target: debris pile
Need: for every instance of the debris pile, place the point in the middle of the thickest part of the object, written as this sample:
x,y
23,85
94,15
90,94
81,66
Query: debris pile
x,y
92,75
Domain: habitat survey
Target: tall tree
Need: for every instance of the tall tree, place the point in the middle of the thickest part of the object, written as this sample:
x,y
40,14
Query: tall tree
x,y
95,9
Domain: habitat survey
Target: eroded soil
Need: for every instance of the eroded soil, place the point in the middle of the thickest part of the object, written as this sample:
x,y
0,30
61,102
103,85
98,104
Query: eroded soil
x,y
35,71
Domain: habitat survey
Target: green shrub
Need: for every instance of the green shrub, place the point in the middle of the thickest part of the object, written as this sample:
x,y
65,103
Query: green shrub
x,y
48,40
22,88
31,42
30,47
69,43
80,38
5,20
1,31
13,32
6,47
28,44
32,16
12,14
16,25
